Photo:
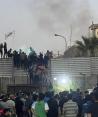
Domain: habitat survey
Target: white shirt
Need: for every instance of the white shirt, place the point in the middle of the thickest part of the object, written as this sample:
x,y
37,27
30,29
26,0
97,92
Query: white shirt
x,y
10,103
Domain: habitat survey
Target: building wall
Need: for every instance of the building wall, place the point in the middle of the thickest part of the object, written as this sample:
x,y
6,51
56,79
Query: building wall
x,y
82,71
10,75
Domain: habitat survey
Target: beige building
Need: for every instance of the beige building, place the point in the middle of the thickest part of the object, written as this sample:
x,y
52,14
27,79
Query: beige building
x,y
94,30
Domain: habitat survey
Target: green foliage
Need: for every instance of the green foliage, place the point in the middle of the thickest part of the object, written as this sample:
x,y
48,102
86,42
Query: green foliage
x,y
87,46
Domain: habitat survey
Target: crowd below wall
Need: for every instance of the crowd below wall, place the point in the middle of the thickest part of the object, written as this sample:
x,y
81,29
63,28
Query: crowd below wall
x,y
67,103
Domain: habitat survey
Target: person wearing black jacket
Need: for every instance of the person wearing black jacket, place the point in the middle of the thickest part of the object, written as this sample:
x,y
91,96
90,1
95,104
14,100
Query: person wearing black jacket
x,y
53,107
19,107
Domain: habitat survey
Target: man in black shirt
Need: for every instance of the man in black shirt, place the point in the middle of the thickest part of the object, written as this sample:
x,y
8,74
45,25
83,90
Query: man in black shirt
x,y
19,107
53,106
93,109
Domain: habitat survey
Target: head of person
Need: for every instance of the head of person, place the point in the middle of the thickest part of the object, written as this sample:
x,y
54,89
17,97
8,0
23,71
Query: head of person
x,y
12,97
97,84
51,94
92,96
41,96
96,95
56,96
4,98
47,94
86,93
69,96
35,97
96,88
4,43
78,90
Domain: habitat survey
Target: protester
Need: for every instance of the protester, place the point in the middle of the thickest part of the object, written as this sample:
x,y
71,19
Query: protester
x,y
5,50
87,104
70,108
47,96
28,104
78,98
9,53
1,50
93,108
11,104
96,88
40,108
86,97
48,105
35,98
19,107
63,99
53,106
28,62
3,102
4,107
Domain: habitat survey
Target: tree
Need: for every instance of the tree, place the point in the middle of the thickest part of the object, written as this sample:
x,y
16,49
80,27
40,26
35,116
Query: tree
x,y
87,46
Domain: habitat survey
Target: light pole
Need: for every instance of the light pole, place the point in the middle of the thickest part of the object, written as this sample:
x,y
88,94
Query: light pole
x,y
84,80
63,38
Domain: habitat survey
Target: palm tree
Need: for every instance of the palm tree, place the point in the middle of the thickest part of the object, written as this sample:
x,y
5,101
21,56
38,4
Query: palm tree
x,y
87,46
93,45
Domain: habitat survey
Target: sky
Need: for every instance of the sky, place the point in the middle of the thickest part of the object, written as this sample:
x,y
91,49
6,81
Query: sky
x,y
36,21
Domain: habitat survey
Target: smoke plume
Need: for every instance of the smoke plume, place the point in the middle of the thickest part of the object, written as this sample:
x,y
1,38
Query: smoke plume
x,y
55,15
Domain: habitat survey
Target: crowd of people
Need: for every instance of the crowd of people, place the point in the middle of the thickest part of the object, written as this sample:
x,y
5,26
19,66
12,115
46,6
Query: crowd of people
x,y
35,64
64,104
21,59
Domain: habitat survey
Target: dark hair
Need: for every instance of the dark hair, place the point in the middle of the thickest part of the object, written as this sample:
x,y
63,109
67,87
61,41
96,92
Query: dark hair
x,y
88,97
47,94
41,96
97,84
51,94
86,92
69,96
35,97
56,96
96,95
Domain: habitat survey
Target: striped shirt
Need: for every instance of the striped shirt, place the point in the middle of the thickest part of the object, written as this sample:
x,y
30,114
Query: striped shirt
x,y
70,109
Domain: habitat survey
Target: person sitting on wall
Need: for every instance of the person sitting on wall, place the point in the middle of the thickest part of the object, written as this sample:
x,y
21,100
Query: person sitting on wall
x,y
9,53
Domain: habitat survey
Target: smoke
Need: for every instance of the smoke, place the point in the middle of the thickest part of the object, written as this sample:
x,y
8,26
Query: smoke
x,y
41,19
58,15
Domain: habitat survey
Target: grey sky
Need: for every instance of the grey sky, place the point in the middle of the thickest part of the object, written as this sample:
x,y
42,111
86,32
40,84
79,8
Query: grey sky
x,y
36,21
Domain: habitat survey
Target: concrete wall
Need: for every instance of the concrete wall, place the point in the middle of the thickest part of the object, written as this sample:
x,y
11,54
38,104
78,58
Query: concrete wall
x,y
82,71
9,74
